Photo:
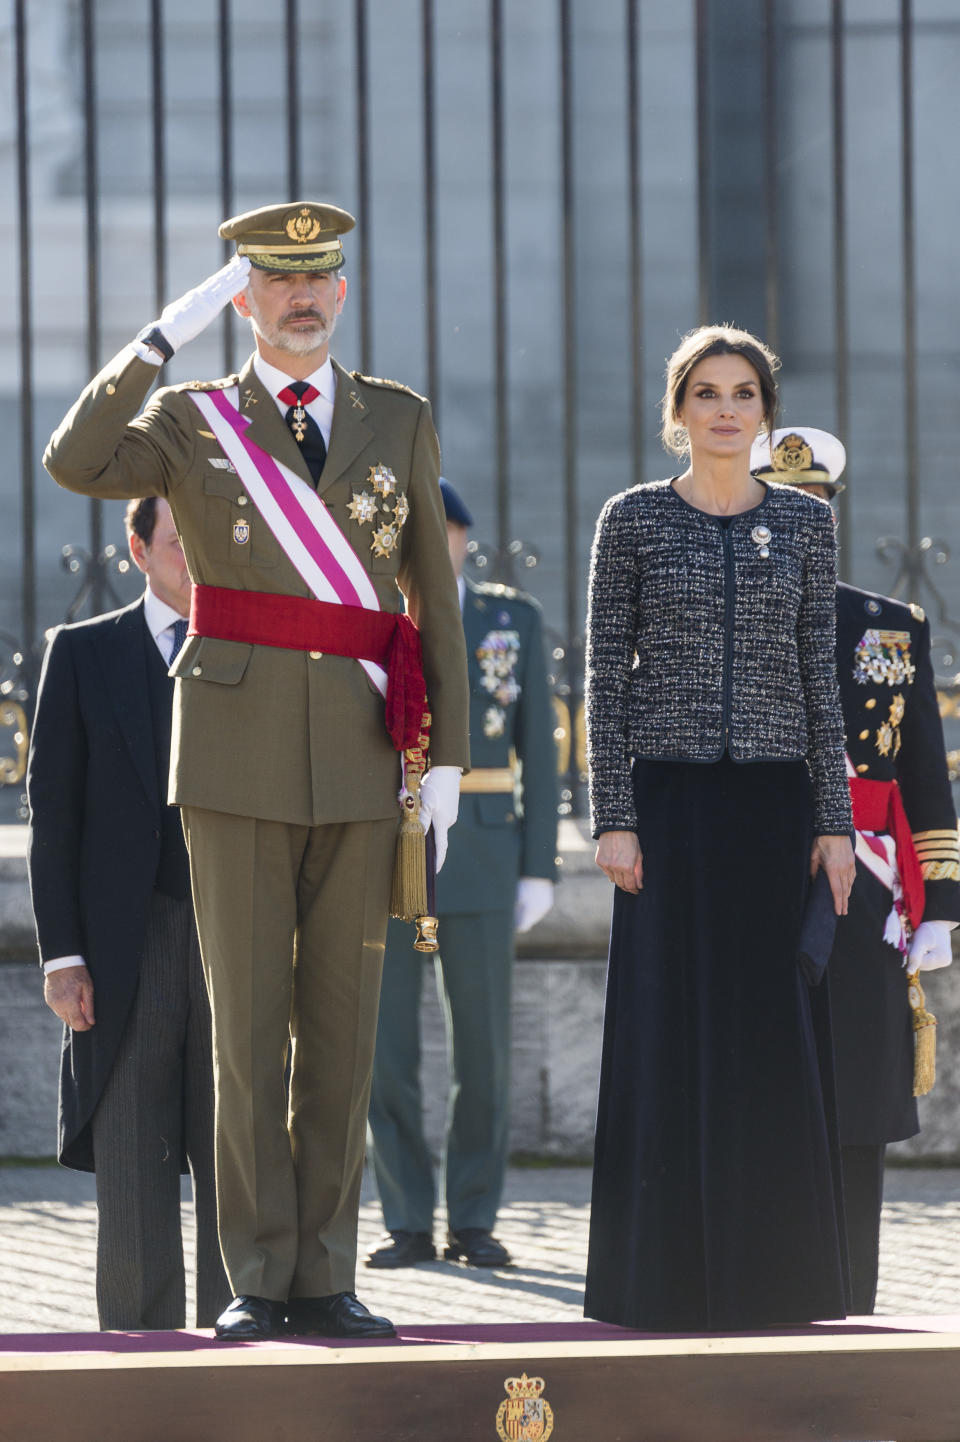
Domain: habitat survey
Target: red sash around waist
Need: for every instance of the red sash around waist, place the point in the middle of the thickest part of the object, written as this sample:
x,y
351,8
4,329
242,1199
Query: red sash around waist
x,y
299,623
877,806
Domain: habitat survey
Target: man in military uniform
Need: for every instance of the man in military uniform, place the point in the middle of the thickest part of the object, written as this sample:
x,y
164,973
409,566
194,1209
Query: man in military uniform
x,y
499,878
306,498
907,895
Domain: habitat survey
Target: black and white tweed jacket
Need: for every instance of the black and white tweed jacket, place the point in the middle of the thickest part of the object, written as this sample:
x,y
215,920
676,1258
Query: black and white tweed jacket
x,y
698,642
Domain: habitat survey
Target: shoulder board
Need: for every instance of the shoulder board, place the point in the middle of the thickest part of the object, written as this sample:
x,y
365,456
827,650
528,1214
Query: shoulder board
x,y
386,384
917,612
874,604
221,385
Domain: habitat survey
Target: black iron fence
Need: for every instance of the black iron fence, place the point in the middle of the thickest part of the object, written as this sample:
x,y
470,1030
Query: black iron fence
x,y
627,150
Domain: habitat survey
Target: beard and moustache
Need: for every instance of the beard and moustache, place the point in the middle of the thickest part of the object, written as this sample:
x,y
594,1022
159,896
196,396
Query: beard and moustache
x,y
294,342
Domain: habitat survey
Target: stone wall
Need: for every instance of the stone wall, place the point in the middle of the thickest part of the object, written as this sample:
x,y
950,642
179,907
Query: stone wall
x,y
557,1017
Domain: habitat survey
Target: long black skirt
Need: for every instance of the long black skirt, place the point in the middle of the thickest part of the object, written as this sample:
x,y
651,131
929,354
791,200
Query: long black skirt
x,y
716,1191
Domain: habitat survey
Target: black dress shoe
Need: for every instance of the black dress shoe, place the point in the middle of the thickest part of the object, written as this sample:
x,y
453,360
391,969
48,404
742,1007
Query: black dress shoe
x,y
477,1248
338,1316
251,1319
403,1250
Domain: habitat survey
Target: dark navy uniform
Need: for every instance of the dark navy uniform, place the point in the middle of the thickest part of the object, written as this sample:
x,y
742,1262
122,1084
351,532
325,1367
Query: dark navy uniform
x,y
894,733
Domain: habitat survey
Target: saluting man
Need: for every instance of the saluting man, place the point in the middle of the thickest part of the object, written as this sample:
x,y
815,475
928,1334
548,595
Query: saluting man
x,y
907,895
307,501
499,878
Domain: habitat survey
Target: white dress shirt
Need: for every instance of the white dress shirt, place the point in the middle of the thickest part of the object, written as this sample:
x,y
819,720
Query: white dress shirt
x,y
159,618
325,380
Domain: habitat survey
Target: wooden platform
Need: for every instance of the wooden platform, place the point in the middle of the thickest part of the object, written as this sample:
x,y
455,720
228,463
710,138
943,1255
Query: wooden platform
x,y
889,1378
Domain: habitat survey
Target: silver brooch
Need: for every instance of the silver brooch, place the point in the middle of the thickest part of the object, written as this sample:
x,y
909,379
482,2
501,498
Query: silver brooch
x,y
761,536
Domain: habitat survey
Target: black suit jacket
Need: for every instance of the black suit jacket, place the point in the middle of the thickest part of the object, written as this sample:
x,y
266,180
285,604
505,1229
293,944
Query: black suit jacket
x,y
95,838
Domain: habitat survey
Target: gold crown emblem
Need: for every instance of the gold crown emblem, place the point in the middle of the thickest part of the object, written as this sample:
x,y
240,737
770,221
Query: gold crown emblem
x,y
304,226
523,1386
792,454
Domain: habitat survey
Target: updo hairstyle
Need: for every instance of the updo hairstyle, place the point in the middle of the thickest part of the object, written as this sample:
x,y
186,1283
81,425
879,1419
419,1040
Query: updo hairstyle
x,y
697,345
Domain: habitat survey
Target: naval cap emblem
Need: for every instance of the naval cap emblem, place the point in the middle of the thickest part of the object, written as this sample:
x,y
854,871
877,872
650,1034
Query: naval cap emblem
x,y
792,454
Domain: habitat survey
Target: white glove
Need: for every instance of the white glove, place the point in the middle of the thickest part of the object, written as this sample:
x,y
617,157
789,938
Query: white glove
x,y
439,804
182,320
534,900
930,947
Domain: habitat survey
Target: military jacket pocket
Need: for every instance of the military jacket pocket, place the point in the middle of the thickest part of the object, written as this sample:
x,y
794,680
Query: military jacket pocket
x,y
234,530
498,809
205,658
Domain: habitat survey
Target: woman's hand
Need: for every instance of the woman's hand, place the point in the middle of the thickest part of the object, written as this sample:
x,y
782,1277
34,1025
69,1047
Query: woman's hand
x,y
619,856
835,855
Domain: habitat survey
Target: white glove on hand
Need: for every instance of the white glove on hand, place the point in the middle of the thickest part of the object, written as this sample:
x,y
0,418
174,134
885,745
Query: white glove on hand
x,y
439,804
182,320
930,947
534,900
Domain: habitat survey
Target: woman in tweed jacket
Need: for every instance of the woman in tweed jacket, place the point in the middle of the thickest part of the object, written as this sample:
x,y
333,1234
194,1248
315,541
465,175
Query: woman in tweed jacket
x,y
717,788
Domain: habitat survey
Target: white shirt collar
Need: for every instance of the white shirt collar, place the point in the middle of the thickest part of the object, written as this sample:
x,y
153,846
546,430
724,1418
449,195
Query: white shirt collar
x,y
275,380
159,616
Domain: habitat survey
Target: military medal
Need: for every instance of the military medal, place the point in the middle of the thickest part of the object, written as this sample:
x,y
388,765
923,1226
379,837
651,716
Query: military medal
x,y
401,510
385,539
884,657
241,532
498,654
383,480
494,722
363,508
298,422
761,537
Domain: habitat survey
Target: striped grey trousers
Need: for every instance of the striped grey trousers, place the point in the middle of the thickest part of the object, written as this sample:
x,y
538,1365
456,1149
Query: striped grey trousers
x,y
156,1106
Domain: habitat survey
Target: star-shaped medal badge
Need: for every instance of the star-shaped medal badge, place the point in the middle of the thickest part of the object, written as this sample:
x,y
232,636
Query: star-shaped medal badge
x,y
401,510
384,539
383,480
363,508
885,738
494,722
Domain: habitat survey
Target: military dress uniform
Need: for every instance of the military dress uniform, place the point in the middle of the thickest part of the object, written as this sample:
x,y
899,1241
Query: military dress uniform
x,y
894,739
506,829
894,733
285,773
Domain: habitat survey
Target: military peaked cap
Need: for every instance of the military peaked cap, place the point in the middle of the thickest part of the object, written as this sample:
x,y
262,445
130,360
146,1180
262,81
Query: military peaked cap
x,y
301,235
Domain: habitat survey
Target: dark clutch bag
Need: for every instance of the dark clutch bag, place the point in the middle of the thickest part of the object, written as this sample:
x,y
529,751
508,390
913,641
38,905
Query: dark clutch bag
x,y
817,930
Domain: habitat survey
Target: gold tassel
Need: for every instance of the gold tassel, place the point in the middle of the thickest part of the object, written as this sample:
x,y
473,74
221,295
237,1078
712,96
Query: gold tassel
x,y
924,1038
408,898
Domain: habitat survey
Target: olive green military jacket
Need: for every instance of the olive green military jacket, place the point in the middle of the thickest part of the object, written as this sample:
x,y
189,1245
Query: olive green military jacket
x,y
260,730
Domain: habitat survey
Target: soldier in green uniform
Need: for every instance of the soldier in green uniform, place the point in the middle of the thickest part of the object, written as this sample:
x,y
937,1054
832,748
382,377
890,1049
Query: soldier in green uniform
x,y
906,899
307,502
499,878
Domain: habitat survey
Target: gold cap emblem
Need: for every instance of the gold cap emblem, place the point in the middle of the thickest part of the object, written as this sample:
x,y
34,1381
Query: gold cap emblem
x,y
792,454
303,235
304,226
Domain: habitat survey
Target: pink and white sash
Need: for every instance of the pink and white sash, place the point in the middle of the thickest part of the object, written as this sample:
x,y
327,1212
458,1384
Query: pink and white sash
x,y
305,530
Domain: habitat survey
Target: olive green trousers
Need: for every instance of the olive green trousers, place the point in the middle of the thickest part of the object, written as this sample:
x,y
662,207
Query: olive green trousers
x,y
292,921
